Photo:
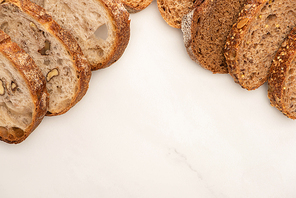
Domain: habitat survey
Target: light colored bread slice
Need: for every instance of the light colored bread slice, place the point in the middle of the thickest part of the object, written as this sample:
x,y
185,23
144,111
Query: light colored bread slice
x,y
173,11
53,49
134,6
101,27
255,38
23,95
281,81
205,30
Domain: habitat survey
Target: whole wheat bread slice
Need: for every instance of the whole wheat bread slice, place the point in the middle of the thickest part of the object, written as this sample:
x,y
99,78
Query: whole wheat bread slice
x,y
23,95
205,30
173,11
255,38
134,6
281,81
53,49
101,27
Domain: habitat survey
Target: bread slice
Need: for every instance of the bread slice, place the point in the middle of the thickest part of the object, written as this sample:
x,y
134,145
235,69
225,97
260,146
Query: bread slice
x,y
255,38
23,95
134,6
101,27
173,11
53,49
281,81
205,30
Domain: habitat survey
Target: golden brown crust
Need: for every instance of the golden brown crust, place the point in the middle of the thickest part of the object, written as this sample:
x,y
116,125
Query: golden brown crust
x,y
238,31
279,71
121,28
173,11
83,69
34,79
136,7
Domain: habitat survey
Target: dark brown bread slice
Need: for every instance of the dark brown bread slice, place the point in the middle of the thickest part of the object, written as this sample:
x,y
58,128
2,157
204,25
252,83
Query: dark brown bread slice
x,y
101,27
281,81
53,49
206,29
23,95
255,38
134,6
173,11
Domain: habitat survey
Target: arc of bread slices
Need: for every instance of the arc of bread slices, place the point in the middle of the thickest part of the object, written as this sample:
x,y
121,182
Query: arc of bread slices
x,y
23,95
53,49
134,6
281,81
255,38
205,30
173,11
101,27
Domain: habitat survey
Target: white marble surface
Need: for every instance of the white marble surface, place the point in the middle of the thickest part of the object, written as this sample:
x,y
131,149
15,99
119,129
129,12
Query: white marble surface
x,y
157,125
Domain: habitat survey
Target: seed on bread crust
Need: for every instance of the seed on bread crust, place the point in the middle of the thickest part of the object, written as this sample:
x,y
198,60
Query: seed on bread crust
x,y
242,23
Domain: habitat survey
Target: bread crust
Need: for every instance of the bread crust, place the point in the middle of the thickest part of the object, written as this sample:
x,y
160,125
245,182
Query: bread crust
x,y
166,13
121,27
132,8
247,15
279,72
82,67
34,79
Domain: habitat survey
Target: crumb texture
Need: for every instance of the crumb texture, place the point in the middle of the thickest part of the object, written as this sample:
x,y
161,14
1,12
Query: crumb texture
x,y
173,11
261,40
89,22
16,104
210,24
48,52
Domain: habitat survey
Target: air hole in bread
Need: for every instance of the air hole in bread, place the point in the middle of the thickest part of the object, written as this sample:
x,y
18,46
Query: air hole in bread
x,y
102,32
18,132
3,131
11,136
291,13
4,27
271,18
264,9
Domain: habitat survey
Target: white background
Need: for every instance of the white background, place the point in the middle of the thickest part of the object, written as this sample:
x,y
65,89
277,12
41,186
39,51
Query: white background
x,y
157,125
